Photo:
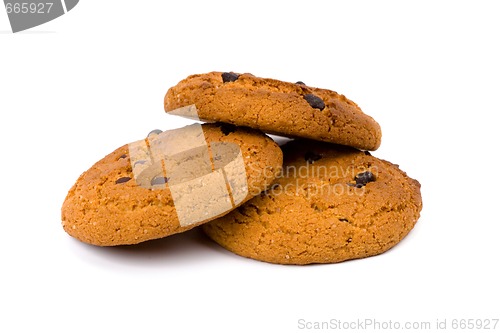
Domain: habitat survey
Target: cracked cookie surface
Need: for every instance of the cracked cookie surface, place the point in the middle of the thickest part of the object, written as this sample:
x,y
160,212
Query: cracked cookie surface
x,y
106,206
330,204
276,107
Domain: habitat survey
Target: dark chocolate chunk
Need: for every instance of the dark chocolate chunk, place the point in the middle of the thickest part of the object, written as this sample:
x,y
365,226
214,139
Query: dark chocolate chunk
x,y
314,101
139,162
364,178
227,128
229,77
159,180
311,157
156,131
122,180
301,83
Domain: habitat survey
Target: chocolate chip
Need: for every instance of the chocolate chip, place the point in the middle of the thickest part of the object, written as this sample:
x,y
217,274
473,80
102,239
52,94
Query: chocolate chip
x,y
364,178
122,180
301,83
139,162
227,128
311,157
229,77
314,101
156,131
123,156
159,180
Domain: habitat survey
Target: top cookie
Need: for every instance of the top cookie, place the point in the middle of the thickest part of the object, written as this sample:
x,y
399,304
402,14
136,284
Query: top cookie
x,y
276,107
169,183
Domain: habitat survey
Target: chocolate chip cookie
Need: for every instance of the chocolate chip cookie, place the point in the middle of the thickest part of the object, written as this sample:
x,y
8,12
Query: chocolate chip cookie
x,y
168,183
330,204
276,107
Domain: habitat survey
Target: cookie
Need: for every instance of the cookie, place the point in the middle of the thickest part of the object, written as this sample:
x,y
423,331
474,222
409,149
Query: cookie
x,y
276,107
169,183
330,204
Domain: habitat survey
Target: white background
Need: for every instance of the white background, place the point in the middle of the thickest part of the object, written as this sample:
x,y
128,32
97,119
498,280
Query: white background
x,y
78,87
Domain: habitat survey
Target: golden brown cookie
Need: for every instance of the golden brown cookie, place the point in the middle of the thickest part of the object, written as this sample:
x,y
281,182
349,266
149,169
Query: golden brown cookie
x,y
169,183
331,204
276,107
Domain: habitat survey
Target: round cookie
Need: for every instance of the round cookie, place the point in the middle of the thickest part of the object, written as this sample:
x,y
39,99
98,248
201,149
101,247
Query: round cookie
x,y
331,204
276,107
133,194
